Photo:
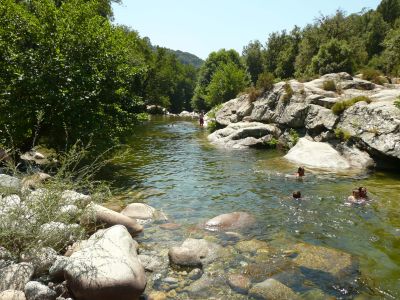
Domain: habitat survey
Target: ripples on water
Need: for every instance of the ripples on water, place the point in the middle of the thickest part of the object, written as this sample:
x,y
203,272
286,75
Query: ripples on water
x,y
192,181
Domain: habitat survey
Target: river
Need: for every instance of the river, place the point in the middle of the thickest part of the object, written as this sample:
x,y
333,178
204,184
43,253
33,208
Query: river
x,y
175,169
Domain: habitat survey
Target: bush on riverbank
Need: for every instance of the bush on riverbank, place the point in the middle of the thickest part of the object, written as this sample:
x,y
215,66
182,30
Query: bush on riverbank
x,y
49,215
341,106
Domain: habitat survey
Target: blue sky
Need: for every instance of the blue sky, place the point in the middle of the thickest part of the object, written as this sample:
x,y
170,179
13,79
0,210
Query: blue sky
x,y
203,26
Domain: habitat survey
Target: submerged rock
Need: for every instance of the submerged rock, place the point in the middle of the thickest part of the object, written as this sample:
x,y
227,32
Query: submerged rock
x,y
252,246
194,253
105,267
272,289
322,259
239,283
230,221
143,212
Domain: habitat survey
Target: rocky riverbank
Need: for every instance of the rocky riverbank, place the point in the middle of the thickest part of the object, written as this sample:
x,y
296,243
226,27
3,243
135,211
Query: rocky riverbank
x,y
120,260
364,132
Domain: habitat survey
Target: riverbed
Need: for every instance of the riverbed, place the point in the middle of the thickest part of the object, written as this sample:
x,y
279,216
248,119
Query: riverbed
x,y
173,168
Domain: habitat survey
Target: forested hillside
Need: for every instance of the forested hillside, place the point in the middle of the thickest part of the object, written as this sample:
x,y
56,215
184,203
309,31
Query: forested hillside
x,y
367,42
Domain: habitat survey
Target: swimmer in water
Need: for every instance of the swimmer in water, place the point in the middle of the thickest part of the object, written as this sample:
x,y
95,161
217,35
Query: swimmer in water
x,y
356,197
300,172
297,195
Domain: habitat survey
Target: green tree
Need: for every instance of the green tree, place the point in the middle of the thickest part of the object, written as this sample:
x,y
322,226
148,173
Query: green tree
x,y
333,56
253,57
69,63
390,56
226,83
213,62
390,10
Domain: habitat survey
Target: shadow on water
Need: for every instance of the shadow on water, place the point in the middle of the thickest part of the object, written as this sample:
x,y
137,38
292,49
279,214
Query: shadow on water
x,y
174,168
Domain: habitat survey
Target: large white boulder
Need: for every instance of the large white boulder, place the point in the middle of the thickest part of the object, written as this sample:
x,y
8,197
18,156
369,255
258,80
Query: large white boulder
x,y
317,155
105,267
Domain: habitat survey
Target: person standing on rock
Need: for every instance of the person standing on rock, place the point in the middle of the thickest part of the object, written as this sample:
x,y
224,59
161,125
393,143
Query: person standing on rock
x,y
201,119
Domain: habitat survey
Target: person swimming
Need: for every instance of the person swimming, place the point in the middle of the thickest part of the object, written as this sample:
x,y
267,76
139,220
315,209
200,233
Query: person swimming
x,y
359,196
300,172
297,195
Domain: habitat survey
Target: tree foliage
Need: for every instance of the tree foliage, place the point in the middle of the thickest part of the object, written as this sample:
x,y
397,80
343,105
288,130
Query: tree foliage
x,y
217,61
87,78
332,43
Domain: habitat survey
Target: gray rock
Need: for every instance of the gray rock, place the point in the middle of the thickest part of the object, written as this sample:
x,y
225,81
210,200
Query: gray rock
x,y
325,102
272,289
36,291
294,115
57,233
243,134
12,295
98,214
234,110
141,211
75,198
239,283
105,267
320,119
194,253
152,263
41,259
376,125
9,182
358,159
14,277
317,155
195,274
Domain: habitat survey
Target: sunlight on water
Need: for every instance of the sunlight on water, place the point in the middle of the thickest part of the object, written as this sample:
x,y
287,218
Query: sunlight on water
x,y
174,168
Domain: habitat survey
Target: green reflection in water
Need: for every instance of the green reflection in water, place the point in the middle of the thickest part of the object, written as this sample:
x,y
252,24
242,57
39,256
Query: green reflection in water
x,y
174,168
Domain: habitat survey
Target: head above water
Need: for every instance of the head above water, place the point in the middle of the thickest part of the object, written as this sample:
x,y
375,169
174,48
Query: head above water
x,y
297,195
362,192
356,193
300,171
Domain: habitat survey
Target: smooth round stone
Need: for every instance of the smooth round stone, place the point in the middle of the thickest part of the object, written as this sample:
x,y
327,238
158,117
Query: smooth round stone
x,y
239,283
170,226
157,296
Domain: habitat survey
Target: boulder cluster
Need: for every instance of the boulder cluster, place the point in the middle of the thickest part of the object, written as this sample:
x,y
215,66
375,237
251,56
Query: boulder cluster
x,y
370,128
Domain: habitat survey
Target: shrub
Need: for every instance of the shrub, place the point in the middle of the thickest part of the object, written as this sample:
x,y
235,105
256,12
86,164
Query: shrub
x,y
341,106
373,75
294,136
272,143
288,92
253,93
213,111
22,226
342,134
212,126
265,81
329,85
397,103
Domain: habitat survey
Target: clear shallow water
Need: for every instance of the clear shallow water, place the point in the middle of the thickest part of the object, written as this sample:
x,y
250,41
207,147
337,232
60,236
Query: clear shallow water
x,y
175,169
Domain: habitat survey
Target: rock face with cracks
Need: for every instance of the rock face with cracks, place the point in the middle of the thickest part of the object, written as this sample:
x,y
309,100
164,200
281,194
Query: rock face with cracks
x,y
371,127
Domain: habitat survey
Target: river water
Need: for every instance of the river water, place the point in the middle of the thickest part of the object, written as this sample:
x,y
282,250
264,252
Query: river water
x,y
175,169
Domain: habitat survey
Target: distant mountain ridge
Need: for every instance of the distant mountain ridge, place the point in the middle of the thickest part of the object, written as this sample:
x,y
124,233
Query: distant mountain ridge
x,y
187,58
